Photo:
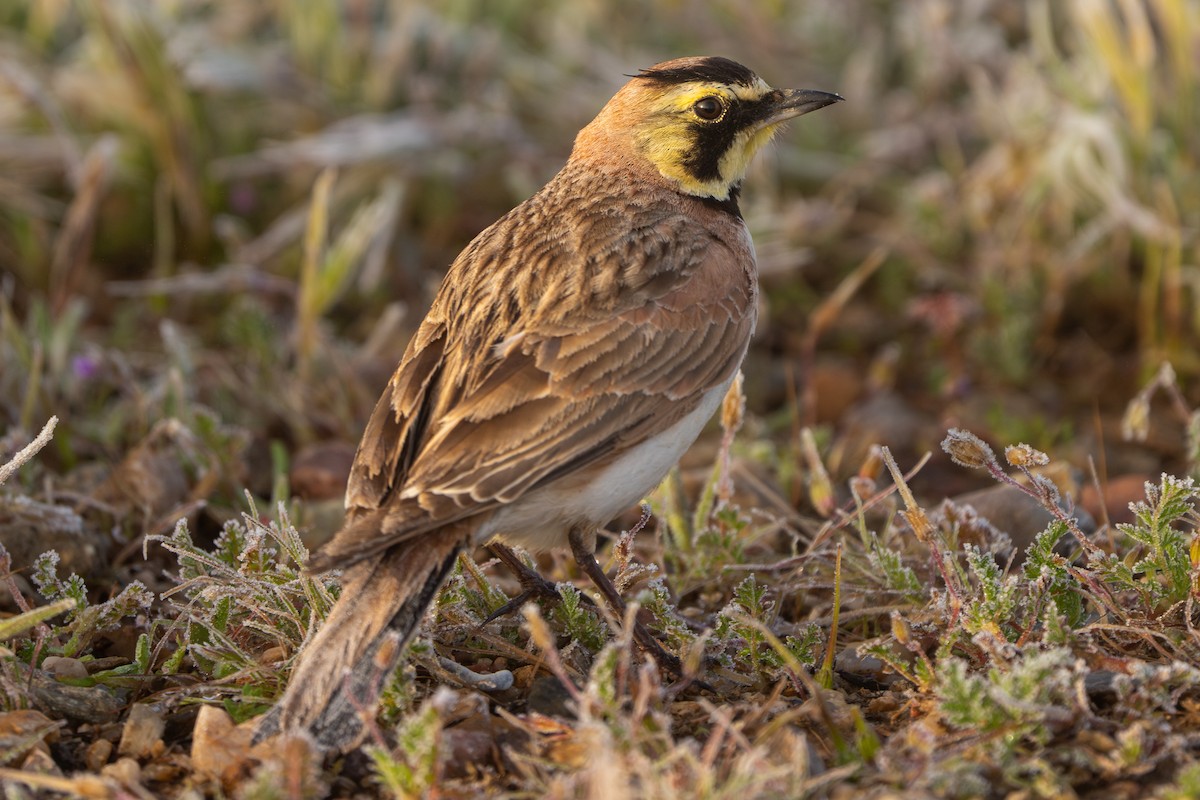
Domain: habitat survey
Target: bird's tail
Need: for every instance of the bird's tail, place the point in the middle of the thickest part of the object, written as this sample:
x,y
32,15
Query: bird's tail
x,y
339,674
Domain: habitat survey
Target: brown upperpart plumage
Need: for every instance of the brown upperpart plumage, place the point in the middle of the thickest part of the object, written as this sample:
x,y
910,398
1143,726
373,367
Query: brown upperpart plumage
x,y
575,349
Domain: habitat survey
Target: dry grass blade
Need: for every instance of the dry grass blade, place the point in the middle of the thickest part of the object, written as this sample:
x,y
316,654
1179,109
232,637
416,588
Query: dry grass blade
x,y
89,787
74,243
14,626
28,451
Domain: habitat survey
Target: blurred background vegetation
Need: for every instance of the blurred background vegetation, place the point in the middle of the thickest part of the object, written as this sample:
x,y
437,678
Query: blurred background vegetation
x,y
253,191
245,207
220,221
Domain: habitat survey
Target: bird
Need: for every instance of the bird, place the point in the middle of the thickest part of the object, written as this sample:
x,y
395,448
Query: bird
x,y
574,350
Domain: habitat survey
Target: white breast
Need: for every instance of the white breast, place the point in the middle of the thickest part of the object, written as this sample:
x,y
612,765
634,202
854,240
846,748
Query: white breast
x,y
541,519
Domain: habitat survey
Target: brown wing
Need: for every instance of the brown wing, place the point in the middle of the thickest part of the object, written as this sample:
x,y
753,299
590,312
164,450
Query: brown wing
x,y
492,400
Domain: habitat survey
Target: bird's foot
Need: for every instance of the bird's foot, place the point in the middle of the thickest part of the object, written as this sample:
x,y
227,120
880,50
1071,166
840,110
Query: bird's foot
x,y
533,585
641,634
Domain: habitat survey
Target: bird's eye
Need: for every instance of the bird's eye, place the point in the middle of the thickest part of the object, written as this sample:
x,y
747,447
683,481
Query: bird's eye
x,y
709,109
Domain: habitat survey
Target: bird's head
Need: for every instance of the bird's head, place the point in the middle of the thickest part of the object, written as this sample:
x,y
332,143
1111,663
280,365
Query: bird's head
x,y
698,121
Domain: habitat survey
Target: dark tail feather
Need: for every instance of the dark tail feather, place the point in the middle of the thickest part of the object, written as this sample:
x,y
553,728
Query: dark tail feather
x,y
339,674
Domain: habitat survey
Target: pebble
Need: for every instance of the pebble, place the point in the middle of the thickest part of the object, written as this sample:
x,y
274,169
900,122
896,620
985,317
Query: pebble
x,y
272,655
1010,510
548,696
62,667
220,750
143,731
97,754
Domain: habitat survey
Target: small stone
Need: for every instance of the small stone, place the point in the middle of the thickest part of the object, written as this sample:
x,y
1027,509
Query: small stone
x,y
549,697
1012,511
97,754
272,655
886,703
142,735
220,750
61,667
90,704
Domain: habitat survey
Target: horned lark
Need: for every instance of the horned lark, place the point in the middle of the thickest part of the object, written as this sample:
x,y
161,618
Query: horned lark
x,y
574,351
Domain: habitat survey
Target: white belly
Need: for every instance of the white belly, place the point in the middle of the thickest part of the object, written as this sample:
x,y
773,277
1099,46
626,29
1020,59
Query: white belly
x,y
541,519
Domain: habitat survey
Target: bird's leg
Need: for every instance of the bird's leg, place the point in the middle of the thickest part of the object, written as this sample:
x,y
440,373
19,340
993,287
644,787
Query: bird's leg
x,y
582,548
533,585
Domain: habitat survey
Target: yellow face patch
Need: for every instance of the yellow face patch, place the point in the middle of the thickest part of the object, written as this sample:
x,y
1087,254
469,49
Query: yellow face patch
x,y
707,154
